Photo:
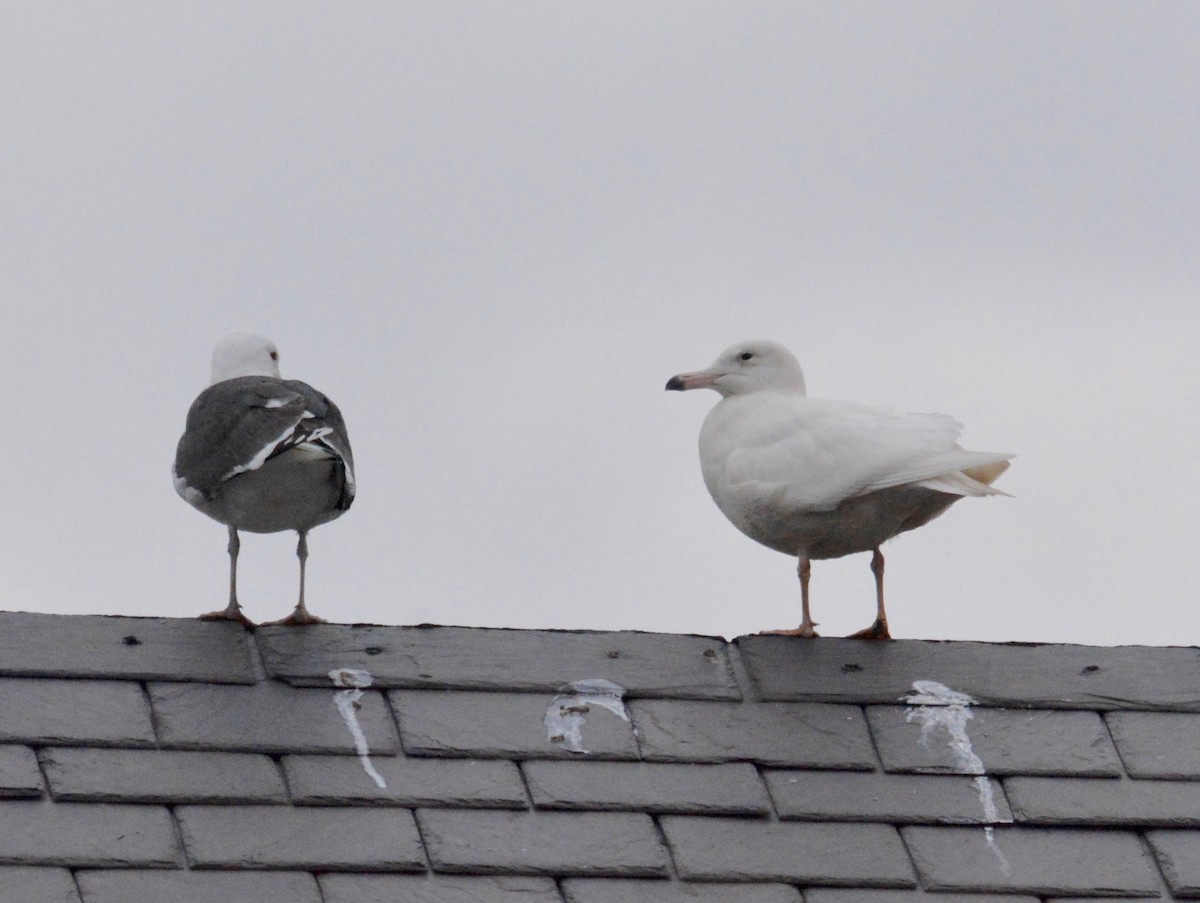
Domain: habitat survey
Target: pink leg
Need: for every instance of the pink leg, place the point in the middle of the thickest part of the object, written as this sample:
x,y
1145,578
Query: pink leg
x,y
804,570
878,630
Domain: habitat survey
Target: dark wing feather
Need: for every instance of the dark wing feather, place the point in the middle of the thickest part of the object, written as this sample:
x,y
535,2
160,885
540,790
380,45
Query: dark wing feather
x,y
231,426
323,417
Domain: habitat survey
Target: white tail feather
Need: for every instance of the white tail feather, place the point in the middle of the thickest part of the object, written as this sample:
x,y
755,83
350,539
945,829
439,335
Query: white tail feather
x,y
972,481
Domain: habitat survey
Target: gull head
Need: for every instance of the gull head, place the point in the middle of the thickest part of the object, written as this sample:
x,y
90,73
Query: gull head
x,y
244,354
752,366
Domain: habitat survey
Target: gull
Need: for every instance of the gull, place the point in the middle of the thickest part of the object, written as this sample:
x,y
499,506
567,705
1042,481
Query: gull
x,y
264,454
817,478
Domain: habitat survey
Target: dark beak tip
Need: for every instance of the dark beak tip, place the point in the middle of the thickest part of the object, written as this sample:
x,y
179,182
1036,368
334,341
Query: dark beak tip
x,y
674,384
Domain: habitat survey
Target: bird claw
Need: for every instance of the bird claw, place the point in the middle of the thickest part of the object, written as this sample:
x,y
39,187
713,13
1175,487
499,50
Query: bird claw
x,y
805,631
877,631
298,618
232,613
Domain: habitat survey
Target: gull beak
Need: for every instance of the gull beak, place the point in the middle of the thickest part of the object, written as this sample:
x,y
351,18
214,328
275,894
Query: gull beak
x,y
701,379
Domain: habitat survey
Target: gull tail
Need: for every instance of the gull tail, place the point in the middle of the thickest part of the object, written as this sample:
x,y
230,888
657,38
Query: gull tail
x,y
975,481
987,473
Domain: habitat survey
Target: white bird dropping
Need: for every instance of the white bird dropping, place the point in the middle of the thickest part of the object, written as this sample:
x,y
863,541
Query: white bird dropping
x,y
932,704
564,718
346,701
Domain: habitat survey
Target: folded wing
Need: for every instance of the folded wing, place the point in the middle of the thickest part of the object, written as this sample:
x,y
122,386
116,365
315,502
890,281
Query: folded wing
x,y
815,454
239,424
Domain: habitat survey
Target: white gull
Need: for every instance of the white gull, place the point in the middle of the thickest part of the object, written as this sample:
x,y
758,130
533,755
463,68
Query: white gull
x,y
817,478
263,454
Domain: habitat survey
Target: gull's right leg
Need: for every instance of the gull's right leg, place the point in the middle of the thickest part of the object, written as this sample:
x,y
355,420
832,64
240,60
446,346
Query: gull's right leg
x,y
232,611
803,570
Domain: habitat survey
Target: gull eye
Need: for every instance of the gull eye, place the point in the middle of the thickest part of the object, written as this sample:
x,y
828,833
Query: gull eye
x,y
275,355
746,355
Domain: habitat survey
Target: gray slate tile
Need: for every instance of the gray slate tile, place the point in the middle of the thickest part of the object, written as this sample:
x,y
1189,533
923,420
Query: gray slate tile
x,y
19,773
108,712
325,780
161,776
543,843
1097,801
266,837
722,849
500,725
1042,861
438,889
1050,676
774,733
617,890
645,664
1008,741
855,895
32,884
124,886
41,832
729,789
1157,744
42,645
895,798
1178,853
269,717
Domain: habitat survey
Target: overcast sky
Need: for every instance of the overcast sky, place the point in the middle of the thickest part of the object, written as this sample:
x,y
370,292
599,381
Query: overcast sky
x,y
491,232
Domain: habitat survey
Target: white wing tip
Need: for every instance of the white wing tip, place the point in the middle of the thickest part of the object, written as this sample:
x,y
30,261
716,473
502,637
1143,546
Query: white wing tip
x,y
189,494
973,481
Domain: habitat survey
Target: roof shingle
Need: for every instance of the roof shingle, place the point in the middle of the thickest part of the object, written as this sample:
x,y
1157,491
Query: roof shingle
x,y
154,764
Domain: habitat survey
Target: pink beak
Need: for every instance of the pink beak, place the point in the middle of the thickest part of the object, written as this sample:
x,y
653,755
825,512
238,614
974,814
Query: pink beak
x,y
701,379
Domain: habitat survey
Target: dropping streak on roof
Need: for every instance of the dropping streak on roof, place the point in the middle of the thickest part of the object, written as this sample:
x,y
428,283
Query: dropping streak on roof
x,y
144,760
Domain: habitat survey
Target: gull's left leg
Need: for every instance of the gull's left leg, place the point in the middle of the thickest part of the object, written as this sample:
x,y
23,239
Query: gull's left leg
x,y
300,615
878,630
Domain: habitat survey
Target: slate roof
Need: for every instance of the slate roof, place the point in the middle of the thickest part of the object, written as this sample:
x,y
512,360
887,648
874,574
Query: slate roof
x,y
193,762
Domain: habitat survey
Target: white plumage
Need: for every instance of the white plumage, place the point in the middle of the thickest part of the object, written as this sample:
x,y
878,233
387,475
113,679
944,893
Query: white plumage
x,y
817,478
